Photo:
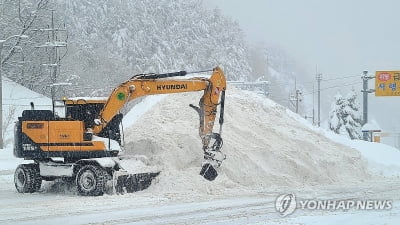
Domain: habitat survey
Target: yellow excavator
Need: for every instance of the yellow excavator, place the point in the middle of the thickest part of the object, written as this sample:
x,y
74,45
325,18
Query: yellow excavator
x,y
80,138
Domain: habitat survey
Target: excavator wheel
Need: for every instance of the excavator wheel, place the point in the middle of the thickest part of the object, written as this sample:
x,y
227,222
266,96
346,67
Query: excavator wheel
x,y
27,178
208,172
90,180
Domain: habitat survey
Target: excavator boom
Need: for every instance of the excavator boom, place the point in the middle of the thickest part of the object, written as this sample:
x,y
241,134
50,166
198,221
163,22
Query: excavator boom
x,y
152,84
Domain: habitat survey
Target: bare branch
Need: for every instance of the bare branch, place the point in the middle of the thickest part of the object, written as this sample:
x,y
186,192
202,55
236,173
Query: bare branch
x,y
19,12
42,4
26,25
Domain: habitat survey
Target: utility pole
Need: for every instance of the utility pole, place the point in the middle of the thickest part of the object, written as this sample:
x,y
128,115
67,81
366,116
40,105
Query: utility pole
x,y
365,92
297,101
296,98
267,72
54,60
1,96
313,105
319,78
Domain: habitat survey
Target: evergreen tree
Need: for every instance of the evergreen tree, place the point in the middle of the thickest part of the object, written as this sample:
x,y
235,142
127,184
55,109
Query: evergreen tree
x,y
111,40
345,116
114,40
353,120
336,115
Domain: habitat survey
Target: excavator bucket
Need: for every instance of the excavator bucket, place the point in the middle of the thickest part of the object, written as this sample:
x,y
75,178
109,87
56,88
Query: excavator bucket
x,y
208,172
128,183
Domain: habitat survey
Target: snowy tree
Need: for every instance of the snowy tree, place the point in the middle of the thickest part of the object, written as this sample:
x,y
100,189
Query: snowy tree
x,y
258,62
112,40
336,115
353,119
283,71
22,60
345,116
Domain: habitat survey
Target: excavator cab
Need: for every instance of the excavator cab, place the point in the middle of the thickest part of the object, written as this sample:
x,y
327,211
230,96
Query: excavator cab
x,y
87,110
84,109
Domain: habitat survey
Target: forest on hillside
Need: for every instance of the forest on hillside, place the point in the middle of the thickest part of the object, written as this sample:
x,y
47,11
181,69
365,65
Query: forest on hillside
x,y
108,41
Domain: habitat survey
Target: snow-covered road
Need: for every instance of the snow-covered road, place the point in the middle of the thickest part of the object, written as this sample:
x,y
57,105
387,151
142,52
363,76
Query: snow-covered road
x,y
146,207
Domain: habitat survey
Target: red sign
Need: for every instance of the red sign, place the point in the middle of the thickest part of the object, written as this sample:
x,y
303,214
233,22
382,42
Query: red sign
x,y
384,76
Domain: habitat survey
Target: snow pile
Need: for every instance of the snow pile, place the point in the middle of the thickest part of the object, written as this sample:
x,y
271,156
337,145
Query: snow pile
x,y
133,115
264,145
382,159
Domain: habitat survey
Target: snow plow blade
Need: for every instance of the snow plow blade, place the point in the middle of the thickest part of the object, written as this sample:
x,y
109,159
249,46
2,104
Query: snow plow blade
x,y
129,183
208,172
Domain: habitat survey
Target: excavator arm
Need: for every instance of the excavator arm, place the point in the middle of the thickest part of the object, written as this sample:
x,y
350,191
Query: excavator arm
x,y
153,84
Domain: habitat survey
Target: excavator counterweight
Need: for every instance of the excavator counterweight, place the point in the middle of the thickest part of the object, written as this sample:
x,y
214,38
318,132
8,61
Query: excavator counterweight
x,y
81,138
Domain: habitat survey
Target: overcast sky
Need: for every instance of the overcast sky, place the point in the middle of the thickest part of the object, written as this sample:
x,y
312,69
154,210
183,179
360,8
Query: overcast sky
x,y
341,37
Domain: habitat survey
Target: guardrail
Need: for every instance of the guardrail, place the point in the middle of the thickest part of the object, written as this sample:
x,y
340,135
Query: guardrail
x,y
261,87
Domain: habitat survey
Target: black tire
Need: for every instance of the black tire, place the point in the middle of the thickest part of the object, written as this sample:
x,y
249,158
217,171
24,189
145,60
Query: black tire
x,y
27,178
90,180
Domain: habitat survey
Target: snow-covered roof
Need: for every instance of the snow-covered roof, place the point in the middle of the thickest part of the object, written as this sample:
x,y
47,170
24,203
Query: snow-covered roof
x,y
370,127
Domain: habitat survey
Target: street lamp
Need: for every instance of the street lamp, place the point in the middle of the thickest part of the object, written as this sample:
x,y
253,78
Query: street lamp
x,y
1,85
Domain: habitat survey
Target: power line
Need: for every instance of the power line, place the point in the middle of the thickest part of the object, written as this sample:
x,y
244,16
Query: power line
x,y
331,79
339,78
314,92
336,86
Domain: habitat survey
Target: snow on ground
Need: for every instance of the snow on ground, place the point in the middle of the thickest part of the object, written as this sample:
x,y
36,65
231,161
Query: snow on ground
x,y
382,159
269,151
